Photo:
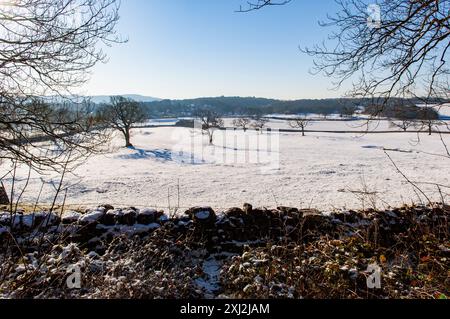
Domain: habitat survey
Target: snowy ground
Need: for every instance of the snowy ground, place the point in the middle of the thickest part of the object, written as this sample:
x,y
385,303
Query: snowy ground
x,y
175,167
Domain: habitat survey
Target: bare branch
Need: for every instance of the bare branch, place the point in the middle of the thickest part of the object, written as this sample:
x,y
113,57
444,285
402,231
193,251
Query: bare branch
x,y
47,48
259,4
403,55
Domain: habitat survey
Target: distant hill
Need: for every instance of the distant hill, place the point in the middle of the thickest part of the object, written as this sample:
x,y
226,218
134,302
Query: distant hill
x,y
138,98
235,105
245,106
224,105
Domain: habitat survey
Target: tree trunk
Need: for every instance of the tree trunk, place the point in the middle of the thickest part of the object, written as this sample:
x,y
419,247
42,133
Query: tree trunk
x,y
4,199
210,138
303,131
429,129
127,138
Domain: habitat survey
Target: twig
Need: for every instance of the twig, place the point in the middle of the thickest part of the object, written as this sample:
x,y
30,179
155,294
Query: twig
x,y
12,194
406,178
23,189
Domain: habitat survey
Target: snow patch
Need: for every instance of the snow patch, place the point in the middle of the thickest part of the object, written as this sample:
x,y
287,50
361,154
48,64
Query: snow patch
x,y
129,230
71,216
137,229
210,283
163,218
5,217
148,211
28,220
305,177
92,216
204,214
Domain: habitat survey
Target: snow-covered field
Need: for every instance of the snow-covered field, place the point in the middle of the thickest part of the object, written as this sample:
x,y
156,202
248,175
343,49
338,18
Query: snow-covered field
x,y
176,167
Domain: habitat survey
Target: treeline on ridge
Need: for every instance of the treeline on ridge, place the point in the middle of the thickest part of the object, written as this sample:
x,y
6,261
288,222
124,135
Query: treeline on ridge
x,y
240,106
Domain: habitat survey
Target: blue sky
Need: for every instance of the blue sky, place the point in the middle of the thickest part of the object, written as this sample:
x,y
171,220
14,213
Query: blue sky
x,y
192,48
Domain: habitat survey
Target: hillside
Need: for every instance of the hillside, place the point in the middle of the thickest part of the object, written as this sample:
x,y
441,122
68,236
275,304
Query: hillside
x,y
254,106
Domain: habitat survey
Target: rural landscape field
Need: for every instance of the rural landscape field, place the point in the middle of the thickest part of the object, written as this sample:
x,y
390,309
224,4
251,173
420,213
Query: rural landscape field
x,y
249,166
171,166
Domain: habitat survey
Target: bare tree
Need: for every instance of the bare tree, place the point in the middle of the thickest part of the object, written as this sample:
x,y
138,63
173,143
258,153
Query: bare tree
x,y
404,115
402,124
429,118
348,110
243,122
324,114
47,48
259,122
210,121
122,114
300,123
394,49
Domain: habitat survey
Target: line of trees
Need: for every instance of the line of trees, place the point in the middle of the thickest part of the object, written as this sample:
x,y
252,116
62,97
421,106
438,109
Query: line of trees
x,y
251,107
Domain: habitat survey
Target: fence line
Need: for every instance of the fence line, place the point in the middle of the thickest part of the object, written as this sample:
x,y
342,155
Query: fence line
x,y
281,130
